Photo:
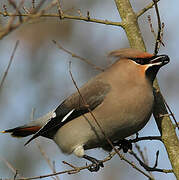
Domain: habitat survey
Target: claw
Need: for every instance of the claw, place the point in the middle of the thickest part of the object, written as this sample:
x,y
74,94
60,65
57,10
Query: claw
x,y
125,145
96,164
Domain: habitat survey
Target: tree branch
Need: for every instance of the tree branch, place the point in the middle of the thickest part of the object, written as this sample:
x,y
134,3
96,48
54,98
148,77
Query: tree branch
x,y
130,24
9,64
167,130
142,11
164,123
66,16
77,56
34,14
147,168
137,139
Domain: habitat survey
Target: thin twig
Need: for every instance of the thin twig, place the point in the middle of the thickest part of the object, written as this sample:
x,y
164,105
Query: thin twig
x,y
10,26
78,57
9,64
13,4
74,169
34,14
169,137
54,171
32,115
33,4
151,27
12,19
176,125
158,42
154,34
147,168
5,8
10,166
159,28
45,156
77,169
144,157
36,9
141,153
171,113
71,171
142,11
137,139
66,16
47,159
60,11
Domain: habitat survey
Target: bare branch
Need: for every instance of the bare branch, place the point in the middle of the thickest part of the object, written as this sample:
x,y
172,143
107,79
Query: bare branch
x,y
176,125
142,11
159,28
77,57
10,26
34,13
33,4
74,169
65,16
147,168
154,34
10,166
47,159
151,27
87,19
137,139
144,157
9,64
171,113
13,4
32,115
61,15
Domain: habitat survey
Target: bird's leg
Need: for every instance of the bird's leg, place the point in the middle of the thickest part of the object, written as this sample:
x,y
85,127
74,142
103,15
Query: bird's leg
x,y
96,164
124,144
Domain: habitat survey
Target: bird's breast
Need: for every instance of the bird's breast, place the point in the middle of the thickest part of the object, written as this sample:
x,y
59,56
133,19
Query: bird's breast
x,y
125,111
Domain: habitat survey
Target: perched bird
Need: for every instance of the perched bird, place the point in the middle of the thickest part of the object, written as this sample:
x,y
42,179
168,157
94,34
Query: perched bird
x,y
120,99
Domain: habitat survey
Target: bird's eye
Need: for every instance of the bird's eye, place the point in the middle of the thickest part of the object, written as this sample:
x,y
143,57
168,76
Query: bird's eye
x,y
139,61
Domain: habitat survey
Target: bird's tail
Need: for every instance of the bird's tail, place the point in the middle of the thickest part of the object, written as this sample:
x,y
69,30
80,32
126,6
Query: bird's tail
x,y
22,131
32,127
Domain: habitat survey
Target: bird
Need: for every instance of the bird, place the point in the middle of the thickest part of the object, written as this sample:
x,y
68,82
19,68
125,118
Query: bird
x,y
116,104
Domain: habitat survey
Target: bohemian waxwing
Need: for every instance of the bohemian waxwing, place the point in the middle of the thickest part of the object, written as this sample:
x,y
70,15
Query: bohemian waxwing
x,y
121,99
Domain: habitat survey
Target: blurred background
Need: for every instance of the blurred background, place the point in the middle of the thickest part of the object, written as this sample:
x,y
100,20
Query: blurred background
x,y
39,78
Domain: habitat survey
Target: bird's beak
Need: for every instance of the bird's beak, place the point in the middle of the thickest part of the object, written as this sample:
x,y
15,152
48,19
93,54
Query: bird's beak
x,y
159,60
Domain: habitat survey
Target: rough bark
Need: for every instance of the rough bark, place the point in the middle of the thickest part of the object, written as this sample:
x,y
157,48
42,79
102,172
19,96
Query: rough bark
x,y
164,123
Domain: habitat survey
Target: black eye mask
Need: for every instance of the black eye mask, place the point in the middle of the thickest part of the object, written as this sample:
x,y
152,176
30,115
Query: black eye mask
x,y
155,60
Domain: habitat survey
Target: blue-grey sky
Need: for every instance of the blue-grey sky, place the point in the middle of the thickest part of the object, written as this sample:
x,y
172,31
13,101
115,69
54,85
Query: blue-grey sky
x,y
39,78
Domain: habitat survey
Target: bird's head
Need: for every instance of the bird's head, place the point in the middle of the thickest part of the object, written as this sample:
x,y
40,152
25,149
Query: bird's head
x,y
148,63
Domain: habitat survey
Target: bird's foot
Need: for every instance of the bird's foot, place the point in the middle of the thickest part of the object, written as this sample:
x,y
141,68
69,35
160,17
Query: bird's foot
x,y
124,144
96,164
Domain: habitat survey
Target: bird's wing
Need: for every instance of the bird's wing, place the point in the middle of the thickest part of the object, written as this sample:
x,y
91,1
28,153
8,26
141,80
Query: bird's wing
x,y
93,93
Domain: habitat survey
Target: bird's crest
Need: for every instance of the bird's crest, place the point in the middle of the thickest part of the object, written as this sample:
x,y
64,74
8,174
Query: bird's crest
x,y
129,53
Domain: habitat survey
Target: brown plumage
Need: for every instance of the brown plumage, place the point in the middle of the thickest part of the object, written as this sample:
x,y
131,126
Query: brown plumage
x,y
121,99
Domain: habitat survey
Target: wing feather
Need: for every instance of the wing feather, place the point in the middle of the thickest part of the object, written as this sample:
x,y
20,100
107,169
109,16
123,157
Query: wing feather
x,y
93,92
